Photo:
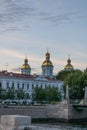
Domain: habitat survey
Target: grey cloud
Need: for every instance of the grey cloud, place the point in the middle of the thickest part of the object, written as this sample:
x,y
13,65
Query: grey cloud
x,y
12,11
60,18
15,13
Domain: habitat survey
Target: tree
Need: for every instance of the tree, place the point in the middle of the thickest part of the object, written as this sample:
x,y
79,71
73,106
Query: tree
x,y
48,94
26,96
0,92
39,94
85,77
3,94
20,93
75,81
52,94
10,93
63,74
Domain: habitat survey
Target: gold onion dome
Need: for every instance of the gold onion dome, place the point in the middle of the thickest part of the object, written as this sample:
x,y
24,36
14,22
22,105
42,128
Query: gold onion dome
x,y
68,66
47,62
25,65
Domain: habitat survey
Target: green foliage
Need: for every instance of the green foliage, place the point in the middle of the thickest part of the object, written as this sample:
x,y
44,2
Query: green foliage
x,y
3,94
39,94
52,94
63,74
10,92
20,94
0,92
85,77
75,81
48,94
26,96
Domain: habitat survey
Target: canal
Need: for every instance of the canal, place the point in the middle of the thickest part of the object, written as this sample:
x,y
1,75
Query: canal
x,y
60,126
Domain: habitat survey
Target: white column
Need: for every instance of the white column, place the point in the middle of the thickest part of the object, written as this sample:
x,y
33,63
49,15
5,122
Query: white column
x,y
67,93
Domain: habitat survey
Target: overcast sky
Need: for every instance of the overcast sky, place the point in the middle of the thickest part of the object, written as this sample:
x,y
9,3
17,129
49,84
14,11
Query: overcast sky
x,y
29,27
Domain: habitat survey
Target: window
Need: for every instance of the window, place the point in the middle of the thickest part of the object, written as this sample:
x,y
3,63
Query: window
x,y
41,86
37,85
23,86
18,85
45,86
12,85
27,86
7,85
32,86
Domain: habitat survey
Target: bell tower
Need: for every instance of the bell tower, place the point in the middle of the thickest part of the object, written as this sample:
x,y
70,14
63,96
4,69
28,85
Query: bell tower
x,y
47,66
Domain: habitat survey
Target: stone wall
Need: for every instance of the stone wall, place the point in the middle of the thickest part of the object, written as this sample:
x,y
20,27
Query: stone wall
x,y
74,113
61,111
14,122
33,111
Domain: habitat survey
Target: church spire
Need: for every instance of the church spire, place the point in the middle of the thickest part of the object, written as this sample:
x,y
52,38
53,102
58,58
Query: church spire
x,y
47,55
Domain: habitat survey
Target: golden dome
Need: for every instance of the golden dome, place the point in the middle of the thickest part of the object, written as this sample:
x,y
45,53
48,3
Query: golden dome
x,y
47,63
25,65
68,66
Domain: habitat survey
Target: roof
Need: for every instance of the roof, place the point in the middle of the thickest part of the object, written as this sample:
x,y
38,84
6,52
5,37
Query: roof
x,y
23,76
15,75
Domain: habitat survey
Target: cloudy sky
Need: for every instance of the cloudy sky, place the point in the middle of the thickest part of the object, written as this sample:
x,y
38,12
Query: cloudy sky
x,y
29,27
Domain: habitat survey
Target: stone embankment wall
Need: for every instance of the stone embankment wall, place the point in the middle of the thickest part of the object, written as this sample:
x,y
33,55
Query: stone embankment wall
x,y
33,111
61,111
74,113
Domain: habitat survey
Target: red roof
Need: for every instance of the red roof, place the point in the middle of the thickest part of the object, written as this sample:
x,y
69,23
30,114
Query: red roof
x,y
15,75
18,75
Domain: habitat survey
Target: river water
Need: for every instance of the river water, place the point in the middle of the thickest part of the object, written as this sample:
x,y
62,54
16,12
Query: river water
x,y
60,127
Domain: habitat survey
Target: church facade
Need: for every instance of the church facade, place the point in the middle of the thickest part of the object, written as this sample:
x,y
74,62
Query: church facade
x,y
28,82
